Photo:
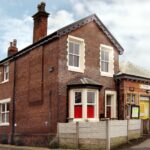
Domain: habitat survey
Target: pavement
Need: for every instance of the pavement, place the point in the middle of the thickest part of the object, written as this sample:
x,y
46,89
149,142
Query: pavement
x,y
12,147
145,145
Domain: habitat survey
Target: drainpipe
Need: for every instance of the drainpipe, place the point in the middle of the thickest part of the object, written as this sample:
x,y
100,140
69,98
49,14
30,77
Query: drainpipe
x,y
118,97
13,105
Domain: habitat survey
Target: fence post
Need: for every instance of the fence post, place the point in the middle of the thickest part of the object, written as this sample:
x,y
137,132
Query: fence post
x,y
77,134
127,129
107,134
142,127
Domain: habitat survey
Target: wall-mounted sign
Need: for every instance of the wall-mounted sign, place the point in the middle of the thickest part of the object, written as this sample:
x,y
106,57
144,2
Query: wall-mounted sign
x,y
135,111
145,87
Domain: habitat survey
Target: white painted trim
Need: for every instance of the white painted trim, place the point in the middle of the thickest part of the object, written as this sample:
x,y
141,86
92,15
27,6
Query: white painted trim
x,y
111,61
113,105
7,100
4,81
81,54
6,65
4,124
75,38
84,105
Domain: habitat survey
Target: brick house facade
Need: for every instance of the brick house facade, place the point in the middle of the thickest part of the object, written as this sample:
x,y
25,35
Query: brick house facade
x,y
65,76
133,85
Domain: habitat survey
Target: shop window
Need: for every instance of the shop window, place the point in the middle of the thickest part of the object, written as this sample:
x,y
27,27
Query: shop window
x,y
83,104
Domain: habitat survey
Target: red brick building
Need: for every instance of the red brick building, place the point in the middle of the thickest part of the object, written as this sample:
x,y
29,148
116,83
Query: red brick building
x,y
61,77
133,85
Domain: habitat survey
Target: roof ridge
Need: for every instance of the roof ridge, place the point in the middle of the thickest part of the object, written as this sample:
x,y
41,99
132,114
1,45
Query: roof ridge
x,y
67,29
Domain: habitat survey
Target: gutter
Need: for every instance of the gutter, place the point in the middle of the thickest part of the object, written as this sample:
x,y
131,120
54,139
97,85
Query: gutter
x,y
130,76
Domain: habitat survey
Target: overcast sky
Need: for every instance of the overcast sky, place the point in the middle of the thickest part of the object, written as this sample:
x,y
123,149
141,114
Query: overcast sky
x,y
127,20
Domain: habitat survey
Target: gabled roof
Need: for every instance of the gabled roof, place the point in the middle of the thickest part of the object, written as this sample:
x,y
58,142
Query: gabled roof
x,y
132,70
66,30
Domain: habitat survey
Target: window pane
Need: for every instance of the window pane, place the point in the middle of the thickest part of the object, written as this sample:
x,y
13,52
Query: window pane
x,y
6,76
102,55
6,72
70,60
91,97
76,49
102,66
78,97
76,61
71,47
7,117
3,118
78,111
108,99
133,97
7,107
106,56
90,111
108,112
106,66
128,97
3,107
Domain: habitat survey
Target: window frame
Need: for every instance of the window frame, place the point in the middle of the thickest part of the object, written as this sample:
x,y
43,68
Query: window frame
x,y
81,43
113,104
131,95
84,92
5,112
5,73
109,49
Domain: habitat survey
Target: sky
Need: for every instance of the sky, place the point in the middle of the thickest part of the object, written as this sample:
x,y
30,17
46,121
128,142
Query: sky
x,y
127,20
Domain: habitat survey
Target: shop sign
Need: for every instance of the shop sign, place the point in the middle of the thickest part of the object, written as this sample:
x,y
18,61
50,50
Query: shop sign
x,y
145,87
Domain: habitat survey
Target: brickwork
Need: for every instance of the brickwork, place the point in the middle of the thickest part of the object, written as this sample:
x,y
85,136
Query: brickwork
x,y
41,82
124,88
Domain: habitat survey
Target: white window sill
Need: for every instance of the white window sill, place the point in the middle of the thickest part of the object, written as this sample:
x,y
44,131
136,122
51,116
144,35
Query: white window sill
x,y
5,81
107,74
75,69
4,124
85,120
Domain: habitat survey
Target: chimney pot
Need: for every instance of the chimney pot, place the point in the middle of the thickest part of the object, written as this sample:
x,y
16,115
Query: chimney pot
x,y
14,43
41,7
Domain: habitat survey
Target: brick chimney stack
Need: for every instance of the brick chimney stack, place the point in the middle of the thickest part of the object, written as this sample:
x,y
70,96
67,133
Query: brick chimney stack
x,y
12,48
40,22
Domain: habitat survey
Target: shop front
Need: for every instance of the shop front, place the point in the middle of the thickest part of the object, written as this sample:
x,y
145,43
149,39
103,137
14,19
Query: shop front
x,y
144,107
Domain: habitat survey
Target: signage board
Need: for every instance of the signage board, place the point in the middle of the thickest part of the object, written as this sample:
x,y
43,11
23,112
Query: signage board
x,y
145,87
135,110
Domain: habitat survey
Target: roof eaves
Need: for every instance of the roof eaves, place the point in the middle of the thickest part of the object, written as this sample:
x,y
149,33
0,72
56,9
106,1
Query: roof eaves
x,y
30,47
68,29
129,76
